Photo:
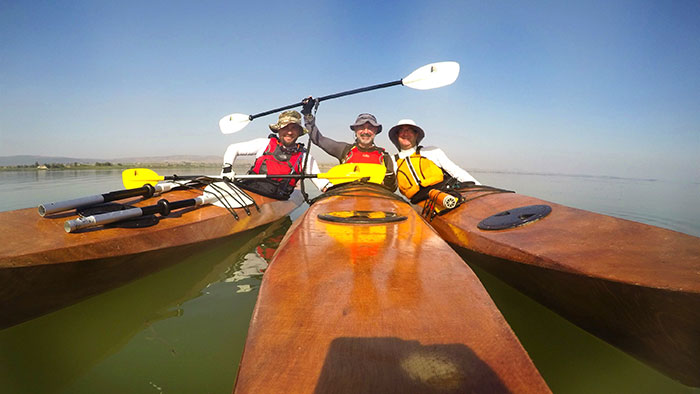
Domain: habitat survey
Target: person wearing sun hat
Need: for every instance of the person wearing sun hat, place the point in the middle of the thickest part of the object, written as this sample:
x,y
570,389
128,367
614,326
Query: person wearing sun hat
x,y
279,153
363,150
419,169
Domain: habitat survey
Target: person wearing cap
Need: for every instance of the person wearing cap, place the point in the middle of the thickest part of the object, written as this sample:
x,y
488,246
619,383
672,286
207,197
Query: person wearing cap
x,y
363,150
277,154
421,169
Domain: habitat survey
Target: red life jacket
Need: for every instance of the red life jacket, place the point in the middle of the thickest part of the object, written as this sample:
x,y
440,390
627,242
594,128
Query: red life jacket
x,y
373,155
273,161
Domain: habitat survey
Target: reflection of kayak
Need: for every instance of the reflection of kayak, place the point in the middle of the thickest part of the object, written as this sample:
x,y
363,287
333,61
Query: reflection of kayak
x,y
268,248
363,296
72,341
43,268
631,284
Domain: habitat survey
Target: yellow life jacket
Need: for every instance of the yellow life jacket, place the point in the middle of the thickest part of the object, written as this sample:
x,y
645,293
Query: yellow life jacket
x,y
416,171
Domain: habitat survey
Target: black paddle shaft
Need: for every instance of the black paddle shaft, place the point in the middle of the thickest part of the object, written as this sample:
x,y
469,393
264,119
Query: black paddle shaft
x,y
330,96
163,207
146,191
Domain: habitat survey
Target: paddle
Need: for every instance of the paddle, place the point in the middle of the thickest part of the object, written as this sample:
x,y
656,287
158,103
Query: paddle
x,y
430,76
163,207
343,173
140,190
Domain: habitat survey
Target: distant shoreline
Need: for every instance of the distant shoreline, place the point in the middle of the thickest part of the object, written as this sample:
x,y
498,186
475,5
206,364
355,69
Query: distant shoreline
x,y
105,166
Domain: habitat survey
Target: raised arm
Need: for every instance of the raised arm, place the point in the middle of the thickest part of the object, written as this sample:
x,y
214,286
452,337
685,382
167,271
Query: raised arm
x,y
330,146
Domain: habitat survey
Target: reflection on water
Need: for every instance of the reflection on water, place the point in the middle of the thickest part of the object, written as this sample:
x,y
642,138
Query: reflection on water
x,y
151,333
254,263
182,330
568,358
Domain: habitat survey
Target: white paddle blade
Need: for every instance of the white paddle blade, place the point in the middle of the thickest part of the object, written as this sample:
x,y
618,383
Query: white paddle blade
x,y
230,124
433,75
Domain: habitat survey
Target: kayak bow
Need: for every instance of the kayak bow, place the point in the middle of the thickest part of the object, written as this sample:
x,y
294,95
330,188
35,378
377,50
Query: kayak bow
x,y
42,268
634,285
363,296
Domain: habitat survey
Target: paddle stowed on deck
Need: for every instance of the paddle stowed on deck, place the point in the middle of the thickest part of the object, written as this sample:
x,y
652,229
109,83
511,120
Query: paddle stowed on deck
x,y
634,285
363,296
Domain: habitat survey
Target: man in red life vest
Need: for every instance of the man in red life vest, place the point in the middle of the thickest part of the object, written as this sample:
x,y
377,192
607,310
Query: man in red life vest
x,y
363,150
277,154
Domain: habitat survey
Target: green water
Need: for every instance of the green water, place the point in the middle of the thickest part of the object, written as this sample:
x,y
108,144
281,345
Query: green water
x,y
568,358
182,330
179,330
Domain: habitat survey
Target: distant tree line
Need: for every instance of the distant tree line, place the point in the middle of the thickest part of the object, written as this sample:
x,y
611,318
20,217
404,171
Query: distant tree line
x,y
63,165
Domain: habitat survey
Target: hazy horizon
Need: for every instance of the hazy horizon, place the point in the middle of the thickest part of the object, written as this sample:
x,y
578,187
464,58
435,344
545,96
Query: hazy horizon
x,y
326,164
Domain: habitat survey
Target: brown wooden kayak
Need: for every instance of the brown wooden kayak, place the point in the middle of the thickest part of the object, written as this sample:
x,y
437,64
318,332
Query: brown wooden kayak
x,y
634,285
103,325
43,268
375,301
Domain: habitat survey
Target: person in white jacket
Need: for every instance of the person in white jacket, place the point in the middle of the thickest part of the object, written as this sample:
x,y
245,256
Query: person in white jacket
x,y
280,153
421,169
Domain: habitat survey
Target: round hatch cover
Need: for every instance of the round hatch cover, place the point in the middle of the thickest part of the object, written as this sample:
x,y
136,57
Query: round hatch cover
x,y
515,217
361,217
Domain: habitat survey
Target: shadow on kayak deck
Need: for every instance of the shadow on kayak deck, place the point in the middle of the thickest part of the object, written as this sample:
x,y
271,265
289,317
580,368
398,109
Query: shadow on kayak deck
x,y
388,365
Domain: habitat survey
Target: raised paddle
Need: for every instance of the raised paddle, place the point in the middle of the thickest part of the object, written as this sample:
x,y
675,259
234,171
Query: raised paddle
x,y
343,173
140,190
430,76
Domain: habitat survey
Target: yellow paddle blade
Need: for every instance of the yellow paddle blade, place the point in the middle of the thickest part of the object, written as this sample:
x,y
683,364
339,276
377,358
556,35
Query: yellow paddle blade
x,y
351,172
137,177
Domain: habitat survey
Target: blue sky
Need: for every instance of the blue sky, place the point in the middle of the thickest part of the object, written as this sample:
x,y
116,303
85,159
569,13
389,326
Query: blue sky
x,y
600,88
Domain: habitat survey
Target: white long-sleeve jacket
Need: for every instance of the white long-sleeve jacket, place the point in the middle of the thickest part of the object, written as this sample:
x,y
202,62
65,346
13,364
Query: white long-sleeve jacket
x,y
257,147
437,156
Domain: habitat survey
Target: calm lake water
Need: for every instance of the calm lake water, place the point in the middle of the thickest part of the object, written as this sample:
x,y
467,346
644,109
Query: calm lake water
x,y
182,330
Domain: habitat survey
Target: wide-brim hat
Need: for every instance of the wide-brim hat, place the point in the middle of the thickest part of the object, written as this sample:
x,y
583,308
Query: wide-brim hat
x,y
285,119
394,132
366,118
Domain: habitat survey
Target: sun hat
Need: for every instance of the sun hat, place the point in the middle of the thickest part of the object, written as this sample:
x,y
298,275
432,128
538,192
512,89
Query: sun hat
x,y
366,118
286,118
394,131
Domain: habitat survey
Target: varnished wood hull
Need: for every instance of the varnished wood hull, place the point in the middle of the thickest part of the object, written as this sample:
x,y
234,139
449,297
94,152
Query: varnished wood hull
x,y
634,285
104,324
383,307
43,268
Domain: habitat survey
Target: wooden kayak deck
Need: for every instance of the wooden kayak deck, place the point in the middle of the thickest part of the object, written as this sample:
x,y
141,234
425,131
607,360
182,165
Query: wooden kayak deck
x,y
382,307
43,268
634,285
